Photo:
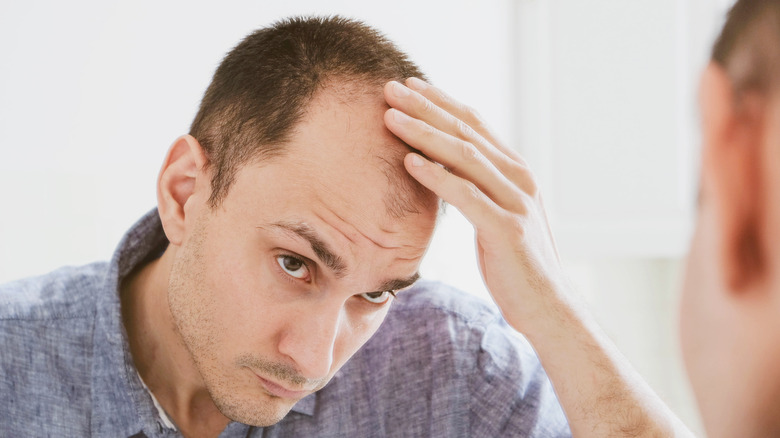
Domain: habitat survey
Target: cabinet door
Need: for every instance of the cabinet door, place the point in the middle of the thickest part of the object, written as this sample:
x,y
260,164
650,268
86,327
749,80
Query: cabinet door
x,y
606,115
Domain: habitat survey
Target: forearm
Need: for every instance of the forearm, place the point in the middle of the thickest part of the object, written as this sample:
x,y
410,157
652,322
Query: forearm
x,y
598,389
495,189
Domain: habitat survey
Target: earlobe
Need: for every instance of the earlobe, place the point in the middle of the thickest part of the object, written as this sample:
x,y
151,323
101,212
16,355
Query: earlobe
x,y
733,137
184,164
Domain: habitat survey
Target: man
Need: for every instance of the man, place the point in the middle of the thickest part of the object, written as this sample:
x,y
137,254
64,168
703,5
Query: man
x,y
285,225
299,205
730,313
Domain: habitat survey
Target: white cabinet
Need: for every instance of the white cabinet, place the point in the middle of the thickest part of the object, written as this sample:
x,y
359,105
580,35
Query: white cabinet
x,y
607,117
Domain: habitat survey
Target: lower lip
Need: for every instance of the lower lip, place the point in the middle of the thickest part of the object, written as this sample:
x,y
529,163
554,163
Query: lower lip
x,y
279,391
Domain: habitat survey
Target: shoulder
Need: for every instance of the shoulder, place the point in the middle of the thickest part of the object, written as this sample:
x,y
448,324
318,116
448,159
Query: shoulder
x,y
455,323
438,300
68,292
445,363
464,345
442,314
46,333
434,322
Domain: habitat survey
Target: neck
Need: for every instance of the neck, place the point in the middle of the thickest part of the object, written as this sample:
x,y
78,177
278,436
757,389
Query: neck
x,y
159,353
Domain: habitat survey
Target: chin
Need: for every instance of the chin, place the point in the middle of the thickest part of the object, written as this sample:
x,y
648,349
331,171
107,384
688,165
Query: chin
x,y
259,411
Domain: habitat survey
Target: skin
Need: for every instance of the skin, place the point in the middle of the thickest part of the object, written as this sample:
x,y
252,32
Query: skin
x,y
731,300
200,346
229,314
215,313
496,191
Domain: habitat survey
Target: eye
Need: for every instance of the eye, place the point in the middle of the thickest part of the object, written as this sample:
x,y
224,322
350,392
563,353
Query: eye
x,y
293,266
379,297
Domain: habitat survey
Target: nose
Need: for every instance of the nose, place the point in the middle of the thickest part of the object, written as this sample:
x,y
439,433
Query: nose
x,y
310,340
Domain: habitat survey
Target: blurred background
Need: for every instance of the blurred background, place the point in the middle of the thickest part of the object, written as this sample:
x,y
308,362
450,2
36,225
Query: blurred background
x,y
598,95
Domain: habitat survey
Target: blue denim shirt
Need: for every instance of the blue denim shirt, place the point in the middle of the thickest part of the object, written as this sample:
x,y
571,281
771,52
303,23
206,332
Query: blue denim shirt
x,y
443,364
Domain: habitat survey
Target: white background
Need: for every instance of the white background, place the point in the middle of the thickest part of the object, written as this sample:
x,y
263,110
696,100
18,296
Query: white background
x,y
598,95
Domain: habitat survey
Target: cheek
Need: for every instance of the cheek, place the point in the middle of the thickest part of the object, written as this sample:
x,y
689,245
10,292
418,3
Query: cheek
x,y
700,323
689,297
695,284
243,299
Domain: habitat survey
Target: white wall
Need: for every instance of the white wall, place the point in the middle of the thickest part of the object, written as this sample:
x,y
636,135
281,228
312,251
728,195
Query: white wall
x,y
93,92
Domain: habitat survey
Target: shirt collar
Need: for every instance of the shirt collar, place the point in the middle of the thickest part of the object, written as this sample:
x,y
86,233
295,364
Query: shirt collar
x,y
121,406
116,387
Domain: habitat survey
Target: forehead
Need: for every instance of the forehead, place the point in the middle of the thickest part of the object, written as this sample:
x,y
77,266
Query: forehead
x,y
342,139
342,161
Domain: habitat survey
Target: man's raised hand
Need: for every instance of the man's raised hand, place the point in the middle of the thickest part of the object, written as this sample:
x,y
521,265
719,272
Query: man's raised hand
x,y
494,189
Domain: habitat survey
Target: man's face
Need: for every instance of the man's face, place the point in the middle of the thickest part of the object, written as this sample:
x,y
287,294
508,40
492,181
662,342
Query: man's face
x,y
724,331
275,289
705,335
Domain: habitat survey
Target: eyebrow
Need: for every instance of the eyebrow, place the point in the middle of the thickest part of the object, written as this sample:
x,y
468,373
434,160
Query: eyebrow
x,y
330,259
323,251
398,284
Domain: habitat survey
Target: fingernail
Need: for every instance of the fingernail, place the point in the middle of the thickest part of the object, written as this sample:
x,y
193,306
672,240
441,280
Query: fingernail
x,y
417,161
399,90
416,84
400,117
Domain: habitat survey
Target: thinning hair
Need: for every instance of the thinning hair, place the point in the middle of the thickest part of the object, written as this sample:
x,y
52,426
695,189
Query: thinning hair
x,y
748,47
263,86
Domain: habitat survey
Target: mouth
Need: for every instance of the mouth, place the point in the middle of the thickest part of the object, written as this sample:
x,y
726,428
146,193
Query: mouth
x,y
276,390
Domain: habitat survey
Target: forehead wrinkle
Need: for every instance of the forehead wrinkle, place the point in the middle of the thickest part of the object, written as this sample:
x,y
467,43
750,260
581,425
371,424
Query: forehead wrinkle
x,y
383,229
347,235
392,284
357,231
380,245
323,251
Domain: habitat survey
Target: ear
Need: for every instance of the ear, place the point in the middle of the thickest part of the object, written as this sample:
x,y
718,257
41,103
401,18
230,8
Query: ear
x,y
733,136
176,185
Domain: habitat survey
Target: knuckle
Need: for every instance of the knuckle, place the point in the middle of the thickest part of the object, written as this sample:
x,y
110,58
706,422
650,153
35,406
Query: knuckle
x,y
524,178
515,226
471,192
469,153
427,107
427,130
531,186
463,130
474,118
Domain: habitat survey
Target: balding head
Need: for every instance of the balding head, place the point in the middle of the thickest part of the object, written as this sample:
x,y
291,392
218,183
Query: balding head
x,y
263,86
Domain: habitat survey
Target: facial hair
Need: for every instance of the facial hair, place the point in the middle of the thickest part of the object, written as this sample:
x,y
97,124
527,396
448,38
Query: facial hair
x,y
229,383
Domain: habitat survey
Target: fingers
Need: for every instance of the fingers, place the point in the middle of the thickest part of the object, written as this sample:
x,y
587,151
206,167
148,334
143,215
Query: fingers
x,y
446,115
461,157
475,205
461,112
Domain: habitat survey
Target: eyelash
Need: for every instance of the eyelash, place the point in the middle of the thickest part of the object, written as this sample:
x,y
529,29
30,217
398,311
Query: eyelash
x,y
391,292
289,277
292,279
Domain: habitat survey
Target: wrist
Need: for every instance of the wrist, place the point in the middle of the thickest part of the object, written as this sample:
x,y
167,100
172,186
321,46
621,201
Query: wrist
x,y
558,313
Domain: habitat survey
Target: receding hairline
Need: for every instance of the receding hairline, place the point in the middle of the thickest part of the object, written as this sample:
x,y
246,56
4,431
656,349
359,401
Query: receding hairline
x,y
403,196
262,86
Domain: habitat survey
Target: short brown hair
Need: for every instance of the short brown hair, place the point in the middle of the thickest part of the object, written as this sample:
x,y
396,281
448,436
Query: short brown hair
x,y
748,47
261,89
